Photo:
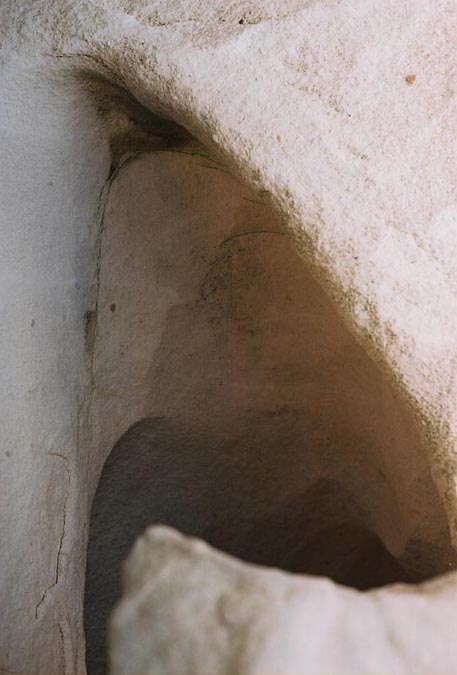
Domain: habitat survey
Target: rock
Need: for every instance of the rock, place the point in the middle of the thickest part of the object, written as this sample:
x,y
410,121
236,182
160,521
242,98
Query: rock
x,y
339,119
188,609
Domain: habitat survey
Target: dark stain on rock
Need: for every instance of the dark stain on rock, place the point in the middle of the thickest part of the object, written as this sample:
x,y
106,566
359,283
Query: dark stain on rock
x,y
90,325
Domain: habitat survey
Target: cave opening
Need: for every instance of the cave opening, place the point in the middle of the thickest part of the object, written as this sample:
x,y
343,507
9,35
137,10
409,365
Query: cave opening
x,y
232,402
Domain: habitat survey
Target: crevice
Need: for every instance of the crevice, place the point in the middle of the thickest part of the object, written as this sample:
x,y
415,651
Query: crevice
x,y
253,201
62,648
62,535
217,168
186,152
247,19
247,234
91,316
115,77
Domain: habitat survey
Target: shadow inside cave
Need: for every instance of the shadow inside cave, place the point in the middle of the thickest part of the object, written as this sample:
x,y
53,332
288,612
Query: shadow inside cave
x,y
221,492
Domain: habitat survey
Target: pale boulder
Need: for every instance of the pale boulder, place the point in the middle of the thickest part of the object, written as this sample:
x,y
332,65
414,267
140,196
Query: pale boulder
x,y
188,609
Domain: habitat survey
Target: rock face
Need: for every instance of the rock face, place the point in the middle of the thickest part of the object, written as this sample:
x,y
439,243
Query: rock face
x,y
237,618
309,461
228,268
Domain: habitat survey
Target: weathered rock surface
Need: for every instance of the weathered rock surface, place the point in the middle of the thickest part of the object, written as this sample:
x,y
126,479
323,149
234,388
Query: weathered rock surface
x,y
341,117
237,618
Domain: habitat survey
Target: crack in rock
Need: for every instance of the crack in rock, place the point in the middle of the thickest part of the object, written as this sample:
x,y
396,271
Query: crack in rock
x,y
62,535
245,234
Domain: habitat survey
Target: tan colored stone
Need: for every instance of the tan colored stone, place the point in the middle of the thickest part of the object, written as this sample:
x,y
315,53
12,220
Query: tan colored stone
x,y
341,117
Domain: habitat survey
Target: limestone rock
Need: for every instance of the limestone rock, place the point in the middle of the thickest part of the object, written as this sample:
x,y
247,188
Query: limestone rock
x,y
188,609
130,302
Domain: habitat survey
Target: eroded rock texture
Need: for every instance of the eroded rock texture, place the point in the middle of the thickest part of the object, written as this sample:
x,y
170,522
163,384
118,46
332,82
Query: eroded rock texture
x,y
228,268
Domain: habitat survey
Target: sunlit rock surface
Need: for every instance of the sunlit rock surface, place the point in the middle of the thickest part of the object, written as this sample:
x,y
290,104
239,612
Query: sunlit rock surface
x,y
228,271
